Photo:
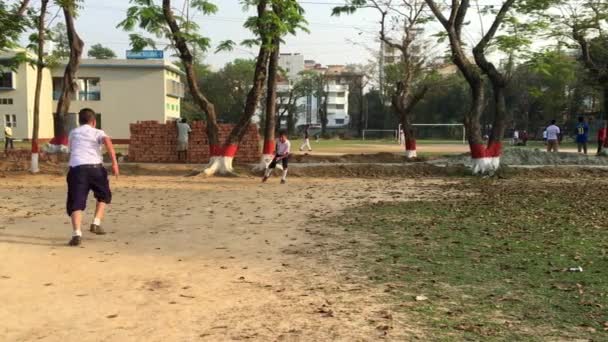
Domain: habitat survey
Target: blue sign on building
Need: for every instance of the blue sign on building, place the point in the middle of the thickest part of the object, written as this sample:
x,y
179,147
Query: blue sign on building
x,y
145,54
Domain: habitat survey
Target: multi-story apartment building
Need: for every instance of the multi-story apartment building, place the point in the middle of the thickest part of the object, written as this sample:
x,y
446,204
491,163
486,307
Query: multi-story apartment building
x,y
121,91
292,64
338,81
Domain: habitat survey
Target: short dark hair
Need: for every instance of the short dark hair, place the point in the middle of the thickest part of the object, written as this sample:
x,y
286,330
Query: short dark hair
x,y
184,120
553,122
85,116
282,133
581,119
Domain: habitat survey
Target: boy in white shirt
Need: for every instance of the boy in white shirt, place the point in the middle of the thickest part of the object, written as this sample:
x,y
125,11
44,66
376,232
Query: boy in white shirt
x,y
87,173
282,154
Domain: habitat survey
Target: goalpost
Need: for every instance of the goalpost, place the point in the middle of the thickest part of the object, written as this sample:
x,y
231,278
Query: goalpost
x,y
401,138
393,133
397,134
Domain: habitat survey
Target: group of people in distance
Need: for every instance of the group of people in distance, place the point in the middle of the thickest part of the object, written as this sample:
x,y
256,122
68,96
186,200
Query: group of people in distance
x,y
552,136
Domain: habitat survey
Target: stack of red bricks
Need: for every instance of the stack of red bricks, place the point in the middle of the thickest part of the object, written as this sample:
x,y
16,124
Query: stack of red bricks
x,y
153,142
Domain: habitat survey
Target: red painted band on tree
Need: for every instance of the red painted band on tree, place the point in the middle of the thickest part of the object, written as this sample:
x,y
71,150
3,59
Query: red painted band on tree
x,y
477,151
230,150
215,151
268,147
410,144
59,140
494,149
35,146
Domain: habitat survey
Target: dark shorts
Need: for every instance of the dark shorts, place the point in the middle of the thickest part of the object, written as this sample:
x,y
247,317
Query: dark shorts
x,y
85,178
581,139
284,161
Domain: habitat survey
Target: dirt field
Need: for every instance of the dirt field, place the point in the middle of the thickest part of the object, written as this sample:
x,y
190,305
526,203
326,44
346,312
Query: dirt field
x,y
189,259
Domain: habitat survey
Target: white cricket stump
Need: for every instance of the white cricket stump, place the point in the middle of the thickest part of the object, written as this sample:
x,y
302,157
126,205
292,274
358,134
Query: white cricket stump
x,y
35,166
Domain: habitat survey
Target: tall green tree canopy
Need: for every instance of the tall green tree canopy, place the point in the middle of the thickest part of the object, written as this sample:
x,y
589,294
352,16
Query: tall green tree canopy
x,y
99,51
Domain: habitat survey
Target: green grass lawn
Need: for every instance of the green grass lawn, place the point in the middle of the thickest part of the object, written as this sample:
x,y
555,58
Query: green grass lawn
x,y
492,264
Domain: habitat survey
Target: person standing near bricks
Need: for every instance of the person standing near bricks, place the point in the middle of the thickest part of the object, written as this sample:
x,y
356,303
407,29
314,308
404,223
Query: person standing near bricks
x,y
8,138
183,130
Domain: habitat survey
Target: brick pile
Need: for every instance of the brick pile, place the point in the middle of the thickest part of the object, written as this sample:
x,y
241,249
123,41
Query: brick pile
x,y
153,142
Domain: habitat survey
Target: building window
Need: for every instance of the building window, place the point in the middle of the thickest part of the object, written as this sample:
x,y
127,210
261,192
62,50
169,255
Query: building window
x,y
7,80
341,94
89,89
339,106
98,119
10,120
339,121
175,88
57,87
6,101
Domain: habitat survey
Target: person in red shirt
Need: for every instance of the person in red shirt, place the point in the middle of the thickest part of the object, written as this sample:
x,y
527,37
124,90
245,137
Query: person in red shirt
x,y
601,137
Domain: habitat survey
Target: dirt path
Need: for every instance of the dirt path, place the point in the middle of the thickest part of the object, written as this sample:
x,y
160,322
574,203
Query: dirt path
x,y
187,259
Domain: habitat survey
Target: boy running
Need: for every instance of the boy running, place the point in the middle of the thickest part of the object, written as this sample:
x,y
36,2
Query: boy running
x,y
282,154
306,143
87,173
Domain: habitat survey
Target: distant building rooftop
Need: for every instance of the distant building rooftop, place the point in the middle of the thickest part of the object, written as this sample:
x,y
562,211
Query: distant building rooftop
x,y
129,63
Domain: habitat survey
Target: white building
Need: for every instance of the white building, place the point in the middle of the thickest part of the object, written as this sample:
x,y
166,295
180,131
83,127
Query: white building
x,y
292,64
307,107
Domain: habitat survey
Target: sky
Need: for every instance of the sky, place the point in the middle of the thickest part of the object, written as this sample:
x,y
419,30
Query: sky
x,y
332,40
346,39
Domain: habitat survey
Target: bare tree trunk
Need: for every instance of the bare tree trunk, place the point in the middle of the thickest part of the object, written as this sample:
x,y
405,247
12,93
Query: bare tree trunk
x,y
23,7
323,114
201,101
453,26
403,104
223,164
499,85
69,85
291,122
271,100
604,106
39,69
251,104
361,121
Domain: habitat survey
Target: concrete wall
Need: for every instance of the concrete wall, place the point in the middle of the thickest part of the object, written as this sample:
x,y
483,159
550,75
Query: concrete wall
x,y
23,103
292,63
127,95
